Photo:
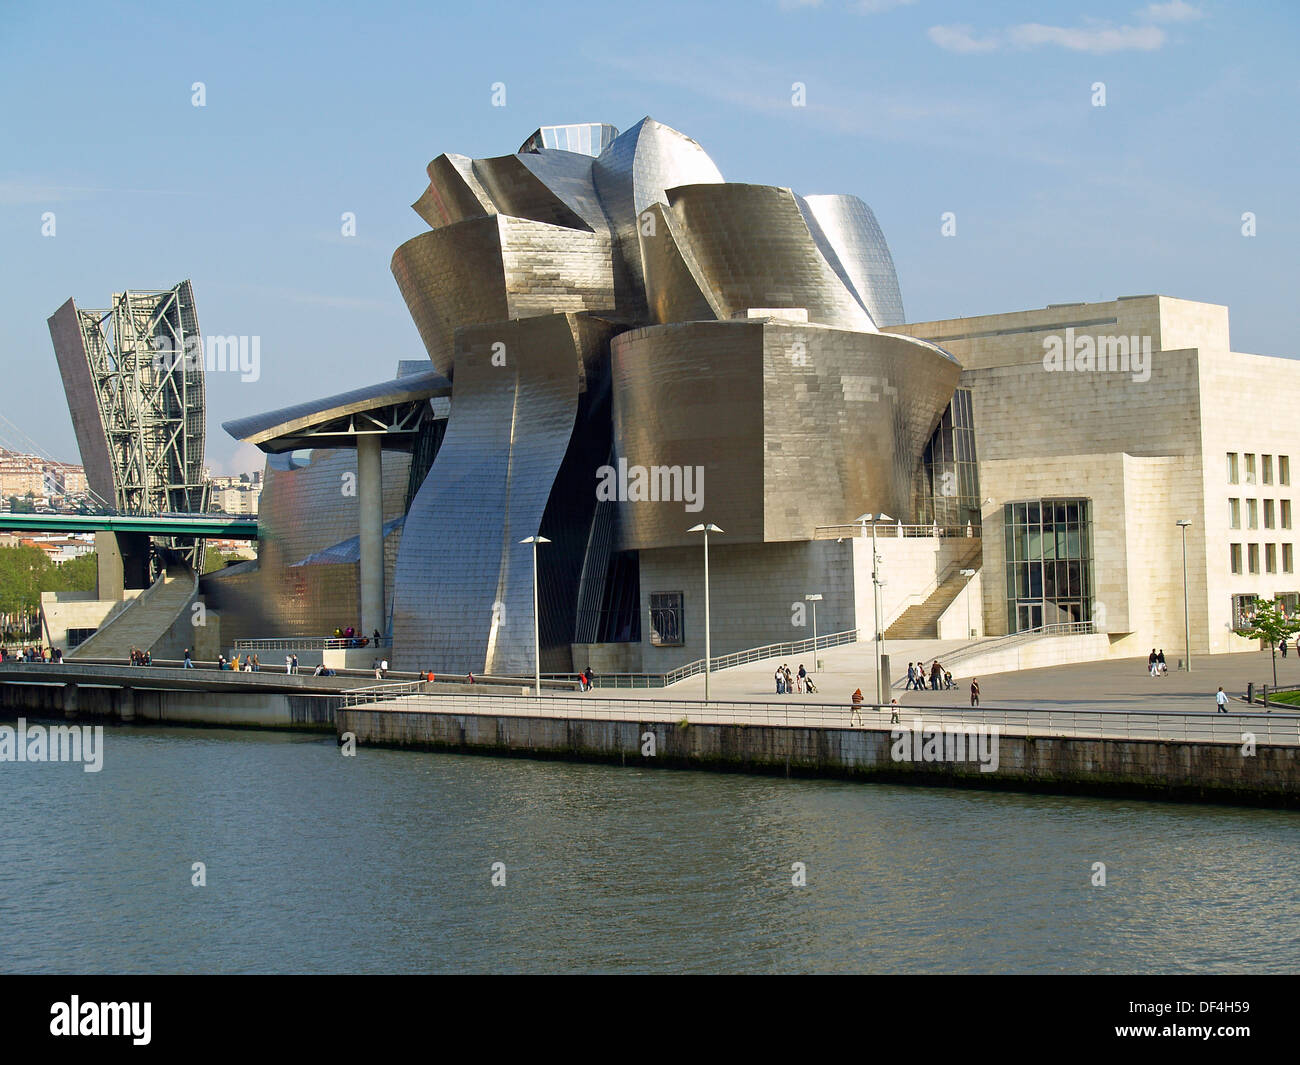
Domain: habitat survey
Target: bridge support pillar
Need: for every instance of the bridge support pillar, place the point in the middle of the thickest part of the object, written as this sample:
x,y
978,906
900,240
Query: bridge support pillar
x,y
70,701
370,500
126,704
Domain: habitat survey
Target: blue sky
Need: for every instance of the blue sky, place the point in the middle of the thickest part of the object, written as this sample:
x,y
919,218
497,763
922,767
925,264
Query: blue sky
x,y
920,108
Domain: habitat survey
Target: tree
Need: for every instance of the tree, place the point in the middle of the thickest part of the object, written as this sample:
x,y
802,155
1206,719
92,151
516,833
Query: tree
x,y
1270,623
78,574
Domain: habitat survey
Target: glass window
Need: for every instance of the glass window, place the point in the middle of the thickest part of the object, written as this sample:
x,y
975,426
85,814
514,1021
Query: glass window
x,y
1250,469
1048,568
1286,558
1283,469
1234,513
1286,513
1252,557
1268,513
666,619
1232,467
1234,555
1252,513
1266,467
1270,558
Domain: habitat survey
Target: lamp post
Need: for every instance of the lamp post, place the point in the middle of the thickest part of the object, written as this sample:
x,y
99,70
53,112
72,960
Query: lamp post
x,y
1187,615
968,574
537,621
814,598
873,519
706,529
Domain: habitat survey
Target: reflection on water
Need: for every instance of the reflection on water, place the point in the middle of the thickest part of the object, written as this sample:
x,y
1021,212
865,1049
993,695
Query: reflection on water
x,y
383,863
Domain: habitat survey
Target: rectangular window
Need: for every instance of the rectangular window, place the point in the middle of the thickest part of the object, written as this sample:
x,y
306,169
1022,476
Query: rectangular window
x,y
1286,513
1270,558
1232,467
666,619
1283,469
1287,560
1252,513
1252,557
1243,610
1268,513
1234,513
1266,464
1250,469
1234,556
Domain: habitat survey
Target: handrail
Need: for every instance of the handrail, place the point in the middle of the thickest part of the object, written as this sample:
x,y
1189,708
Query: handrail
x,y
896,530
1012,639
312,643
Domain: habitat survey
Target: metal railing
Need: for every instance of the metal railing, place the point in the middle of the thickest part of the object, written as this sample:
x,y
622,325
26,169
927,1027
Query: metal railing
x,y
312,643
1276,729
993,644
379,693
897,530
735,658
1259,693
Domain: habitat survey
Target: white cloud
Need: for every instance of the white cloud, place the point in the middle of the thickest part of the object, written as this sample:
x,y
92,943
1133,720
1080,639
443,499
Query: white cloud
x,y
1173,11
961,39
1093,39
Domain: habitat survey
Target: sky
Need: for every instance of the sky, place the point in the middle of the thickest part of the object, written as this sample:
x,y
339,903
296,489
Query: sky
x,y
987,111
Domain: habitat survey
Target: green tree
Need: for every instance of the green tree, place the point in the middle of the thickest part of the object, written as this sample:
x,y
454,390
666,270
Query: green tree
x,y
24,573
77,574
1270,623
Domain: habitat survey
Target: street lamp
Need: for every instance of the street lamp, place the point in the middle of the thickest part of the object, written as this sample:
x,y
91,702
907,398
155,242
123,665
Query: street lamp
x,y
1187,615
968,574
814,598
706,529
537,621
873,519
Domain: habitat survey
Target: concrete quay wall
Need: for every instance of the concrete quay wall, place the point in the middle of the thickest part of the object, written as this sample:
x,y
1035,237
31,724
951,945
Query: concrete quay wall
x,y
1158,769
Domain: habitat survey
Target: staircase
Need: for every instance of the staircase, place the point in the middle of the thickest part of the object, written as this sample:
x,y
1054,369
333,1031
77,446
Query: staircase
x,y
921,622
146,619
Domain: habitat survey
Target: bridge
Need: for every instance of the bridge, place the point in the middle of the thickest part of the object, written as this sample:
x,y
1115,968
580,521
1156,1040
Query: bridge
x,y
216,526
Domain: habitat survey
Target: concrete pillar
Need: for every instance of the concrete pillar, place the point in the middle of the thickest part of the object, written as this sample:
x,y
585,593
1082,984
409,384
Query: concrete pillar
x,y
126,704
70,701
370,506
109,577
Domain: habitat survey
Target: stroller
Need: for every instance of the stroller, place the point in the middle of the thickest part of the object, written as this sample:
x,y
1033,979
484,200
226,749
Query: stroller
x,y
808,684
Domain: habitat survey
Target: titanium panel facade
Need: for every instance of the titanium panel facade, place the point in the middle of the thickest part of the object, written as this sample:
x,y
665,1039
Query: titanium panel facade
x,y
588,138
795,426
851,229
454,193
754,249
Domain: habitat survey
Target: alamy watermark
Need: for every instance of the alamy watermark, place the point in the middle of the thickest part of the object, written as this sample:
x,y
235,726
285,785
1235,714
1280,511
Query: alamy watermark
x,y
653,484
56,743
960,743
212,354
1103,354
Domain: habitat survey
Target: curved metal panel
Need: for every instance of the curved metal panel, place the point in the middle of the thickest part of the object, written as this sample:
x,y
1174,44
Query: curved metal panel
x,y
569,177
517,191
852,231
753,249
634,172
454,193
673,293
793,426
463,597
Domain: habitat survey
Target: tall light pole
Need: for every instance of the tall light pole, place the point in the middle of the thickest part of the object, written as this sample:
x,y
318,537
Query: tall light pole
x,y
708,649
815,598
873,519
968,574
1187,614
537,621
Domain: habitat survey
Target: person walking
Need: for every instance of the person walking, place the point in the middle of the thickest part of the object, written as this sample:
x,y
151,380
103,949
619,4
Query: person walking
x,y
288,664
188,663
855,711
1161,668
1221,701
1283,646
934,675
789,679
975,692
295,663
911,676
1151,662
780,681
893,711
800,677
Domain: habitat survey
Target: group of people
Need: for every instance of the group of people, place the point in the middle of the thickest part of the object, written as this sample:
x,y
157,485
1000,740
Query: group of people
x,y
788,683
246,664
141,658
586,680
35,653
1156,663
939,677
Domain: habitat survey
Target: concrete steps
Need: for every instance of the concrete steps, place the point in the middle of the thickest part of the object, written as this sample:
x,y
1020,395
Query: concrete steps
x,y
921,622
145,620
